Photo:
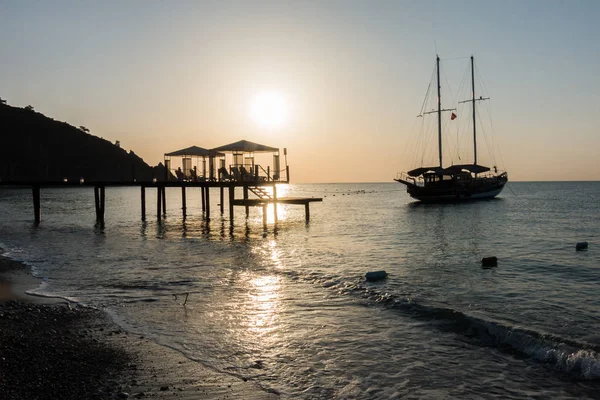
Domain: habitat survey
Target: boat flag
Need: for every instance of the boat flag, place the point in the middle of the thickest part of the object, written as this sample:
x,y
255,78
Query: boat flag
x,y
452,117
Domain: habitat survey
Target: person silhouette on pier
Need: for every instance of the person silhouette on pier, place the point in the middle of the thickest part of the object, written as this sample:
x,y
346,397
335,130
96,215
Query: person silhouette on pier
x,y
179,174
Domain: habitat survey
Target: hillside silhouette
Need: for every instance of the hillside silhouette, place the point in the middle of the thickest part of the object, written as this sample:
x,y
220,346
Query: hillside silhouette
x,y
34,147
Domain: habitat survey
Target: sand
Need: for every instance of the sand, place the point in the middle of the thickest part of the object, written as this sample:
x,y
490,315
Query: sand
x,y
50,349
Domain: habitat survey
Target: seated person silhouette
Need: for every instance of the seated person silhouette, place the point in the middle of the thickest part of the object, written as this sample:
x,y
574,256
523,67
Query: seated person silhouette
x,y
235,174
223,174
246,175
179,174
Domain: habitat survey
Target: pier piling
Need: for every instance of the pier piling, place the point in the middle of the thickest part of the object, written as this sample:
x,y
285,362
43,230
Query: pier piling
x,y
102,203
143,199
96,201
164,199
183,202
158,202
275,204
207,204
99,201
231,199
222,198
36,203
246,198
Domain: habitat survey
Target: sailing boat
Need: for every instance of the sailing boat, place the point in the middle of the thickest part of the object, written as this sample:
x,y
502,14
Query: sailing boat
x,y
456,182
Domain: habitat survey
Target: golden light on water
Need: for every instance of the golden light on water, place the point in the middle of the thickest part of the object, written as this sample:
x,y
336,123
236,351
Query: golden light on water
x,y
269,109
264,301
282,213
282,210
275,253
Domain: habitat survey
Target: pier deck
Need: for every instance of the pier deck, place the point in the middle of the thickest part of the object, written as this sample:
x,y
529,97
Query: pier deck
x,y
247,187
280,200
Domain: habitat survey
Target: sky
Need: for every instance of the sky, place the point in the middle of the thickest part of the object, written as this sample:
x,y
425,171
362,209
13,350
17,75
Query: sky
x,y
351,77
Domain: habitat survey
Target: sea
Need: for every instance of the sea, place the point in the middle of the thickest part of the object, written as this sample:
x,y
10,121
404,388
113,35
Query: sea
x,y
288,307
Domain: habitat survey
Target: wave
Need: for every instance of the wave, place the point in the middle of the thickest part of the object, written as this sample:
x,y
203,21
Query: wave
x,y
566,355
150,285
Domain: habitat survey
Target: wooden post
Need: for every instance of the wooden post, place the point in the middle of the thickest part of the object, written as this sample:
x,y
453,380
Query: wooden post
x,y
102,203
183,202
265,216
158,202
231,199
222,198
275,203
203,199
143,195
207,204
246,198
307,211
97,202
287,173
36,203
164,199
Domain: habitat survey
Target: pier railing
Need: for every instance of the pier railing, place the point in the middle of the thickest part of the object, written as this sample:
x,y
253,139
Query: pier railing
x,y
403,176
252,173
235,173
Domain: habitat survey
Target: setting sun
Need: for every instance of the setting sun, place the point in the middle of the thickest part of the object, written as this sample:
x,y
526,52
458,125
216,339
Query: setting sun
x,y
269,109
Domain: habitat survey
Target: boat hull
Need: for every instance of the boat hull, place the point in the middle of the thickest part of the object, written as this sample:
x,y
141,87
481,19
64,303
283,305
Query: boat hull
x,y
453,194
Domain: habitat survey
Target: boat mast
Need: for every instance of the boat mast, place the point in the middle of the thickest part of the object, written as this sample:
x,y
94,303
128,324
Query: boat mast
x,y
439,109
474,124
439,112
473,101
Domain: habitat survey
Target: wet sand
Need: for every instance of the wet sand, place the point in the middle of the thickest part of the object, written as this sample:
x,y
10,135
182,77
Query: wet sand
x,y
50,349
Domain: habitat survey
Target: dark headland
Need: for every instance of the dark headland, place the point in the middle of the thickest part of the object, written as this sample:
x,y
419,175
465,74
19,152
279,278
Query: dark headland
x,y
34,147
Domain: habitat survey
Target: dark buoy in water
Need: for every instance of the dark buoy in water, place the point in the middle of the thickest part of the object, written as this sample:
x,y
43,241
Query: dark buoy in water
x,y
581,246
489,262
376,276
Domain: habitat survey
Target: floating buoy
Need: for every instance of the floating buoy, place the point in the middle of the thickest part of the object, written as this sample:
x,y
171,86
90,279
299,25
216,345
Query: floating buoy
x,y
581,246
489,262
376,276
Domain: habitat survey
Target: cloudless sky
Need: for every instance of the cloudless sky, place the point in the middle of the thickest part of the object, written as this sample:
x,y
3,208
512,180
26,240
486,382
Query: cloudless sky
x,y
163,75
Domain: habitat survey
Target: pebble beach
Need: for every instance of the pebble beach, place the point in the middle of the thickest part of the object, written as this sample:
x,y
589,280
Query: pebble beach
x,y
53,349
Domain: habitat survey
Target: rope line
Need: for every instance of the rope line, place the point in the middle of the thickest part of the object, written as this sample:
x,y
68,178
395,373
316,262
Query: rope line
x,y
349,192
564,247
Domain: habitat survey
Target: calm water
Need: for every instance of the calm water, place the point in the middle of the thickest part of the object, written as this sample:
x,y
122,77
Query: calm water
x,y
290,309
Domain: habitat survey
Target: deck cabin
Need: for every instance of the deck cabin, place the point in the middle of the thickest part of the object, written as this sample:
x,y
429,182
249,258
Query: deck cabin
x,y
241,161
190,164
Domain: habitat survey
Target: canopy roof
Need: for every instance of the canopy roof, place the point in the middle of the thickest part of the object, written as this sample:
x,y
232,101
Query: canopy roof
x,y
452,170
422,170
474,168
247,147
194,151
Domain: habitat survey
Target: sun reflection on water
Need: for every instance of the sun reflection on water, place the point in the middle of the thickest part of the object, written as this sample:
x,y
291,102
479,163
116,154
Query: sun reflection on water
x,y
282,210
275,253
264,303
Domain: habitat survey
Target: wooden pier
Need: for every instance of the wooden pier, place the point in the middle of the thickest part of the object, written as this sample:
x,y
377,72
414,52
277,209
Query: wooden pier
x,y
257,188
198,168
